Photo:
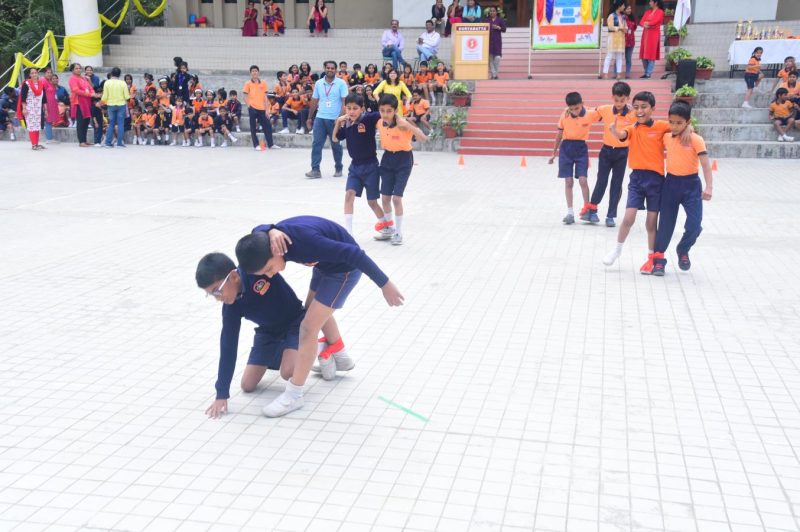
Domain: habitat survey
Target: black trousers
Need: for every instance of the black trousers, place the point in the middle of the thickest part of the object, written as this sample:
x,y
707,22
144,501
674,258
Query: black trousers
x,y
260,116
82,126
612,161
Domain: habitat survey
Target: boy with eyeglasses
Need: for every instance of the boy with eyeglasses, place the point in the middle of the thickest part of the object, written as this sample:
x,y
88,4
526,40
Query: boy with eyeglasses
x,y
267,301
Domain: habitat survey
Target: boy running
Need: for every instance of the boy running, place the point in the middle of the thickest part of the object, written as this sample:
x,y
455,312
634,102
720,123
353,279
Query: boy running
x,y
267,301
682,188
358,128
338,263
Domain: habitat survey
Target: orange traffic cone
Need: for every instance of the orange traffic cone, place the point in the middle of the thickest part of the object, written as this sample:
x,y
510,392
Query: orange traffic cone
x,y
523,163
461,161
714,165
263,145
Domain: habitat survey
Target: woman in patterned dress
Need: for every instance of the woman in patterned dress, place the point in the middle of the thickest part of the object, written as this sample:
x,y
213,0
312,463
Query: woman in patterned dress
x,y
31,100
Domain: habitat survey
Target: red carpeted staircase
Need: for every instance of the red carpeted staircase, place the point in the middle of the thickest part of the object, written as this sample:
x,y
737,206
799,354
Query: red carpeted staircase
x,y
521,117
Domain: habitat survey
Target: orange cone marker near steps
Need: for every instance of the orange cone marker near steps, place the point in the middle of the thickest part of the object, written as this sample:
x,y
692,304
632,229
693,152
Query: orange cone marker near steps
x,y
714,165
263,145
523,163
461,161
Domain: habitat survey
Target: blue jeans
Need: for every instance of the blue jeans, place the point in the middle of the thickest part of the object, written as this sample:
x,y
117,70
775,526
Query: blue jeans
x,y
425,52
116,117
685,191
628,61
648,64
323,128
396,54
48,130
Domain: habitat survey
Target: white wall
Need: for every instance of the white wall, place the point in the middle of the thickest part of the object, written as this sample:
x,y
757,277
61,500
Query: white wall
x,y
733,10
414,13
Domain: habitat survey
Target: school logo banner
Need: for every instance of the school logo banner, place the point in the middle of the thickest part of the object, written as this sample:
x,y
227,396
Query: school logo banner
x,y
566,24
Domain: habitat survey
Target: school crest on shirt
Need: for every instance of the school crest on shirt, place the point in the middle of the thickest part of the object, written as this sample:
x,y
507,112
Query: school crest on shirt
x,y
362,128
261,286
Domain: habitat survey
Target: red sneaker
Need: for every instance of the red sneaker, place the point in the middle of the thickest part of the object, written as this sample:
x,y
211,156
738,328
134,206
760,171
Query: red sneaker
x,y
584,209
383,224
647,267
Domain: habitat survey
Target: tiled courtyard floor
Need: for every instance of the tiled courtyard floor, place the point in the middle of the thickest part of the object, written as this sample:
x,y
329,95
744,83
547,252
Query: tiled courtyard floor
x,y
560,394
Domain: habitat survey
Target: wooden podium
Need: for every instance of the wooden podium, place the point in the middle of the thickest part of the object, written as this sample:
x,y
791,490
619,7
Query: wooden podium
x,y
470,51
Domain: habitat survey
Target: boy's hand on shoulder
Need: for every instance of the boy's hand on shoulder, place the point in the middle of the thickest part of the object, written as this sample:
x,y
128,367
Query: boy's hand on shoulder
x,y
217,409
686,136
392,294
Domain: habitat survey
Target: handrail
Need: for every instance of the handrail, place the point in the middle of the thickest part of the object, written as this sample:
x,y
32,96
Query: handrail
x,y
9,69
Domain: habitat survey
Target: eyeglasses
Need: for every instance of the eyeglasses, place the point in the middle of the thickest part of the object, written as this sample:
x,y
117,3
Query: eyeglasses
x,y
217,292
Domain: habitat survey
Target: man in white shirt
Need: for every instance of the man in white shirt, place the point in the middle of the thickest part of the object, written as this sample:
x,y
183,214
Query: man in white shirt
x,y
428,42
393,44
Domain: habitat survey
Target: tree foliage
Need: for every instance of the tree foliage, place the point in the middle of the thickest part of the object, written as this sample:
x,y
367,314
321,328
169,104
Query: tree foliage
x,y
24,23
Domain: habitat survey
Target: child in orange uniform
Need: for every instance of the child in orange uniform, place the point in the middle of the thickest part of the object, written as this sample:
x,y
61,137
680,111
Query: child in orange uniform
x,y
782,114
752,75
573,157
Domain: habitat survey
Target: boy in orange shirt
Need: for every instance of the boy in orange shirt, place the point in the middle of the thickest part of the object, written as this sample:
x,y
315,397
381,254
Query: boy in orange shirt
x,y
646,159
343,73
283,88
783,74
423,79
148,125
681,188
613,155
419,110
752,75
274,109
782,113
205,126
438,84
573,160
296,107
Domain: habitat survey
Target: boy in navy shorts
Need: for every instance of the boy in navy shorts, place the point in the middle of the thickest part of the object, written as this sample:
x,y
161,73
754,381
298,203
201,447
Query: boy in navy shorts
x,y
573,159
270,303
358,128
338,263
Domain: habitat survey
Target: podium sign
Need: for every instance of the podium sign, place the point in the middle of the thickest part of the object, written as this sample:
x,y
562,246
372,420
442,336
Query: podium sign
x,y
470,51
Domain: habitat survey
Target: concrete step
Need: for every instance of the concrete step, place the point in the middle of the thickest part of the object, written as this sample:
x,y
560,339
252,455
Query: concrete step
x,y
730,115
731,99
739,132
754,150
732,85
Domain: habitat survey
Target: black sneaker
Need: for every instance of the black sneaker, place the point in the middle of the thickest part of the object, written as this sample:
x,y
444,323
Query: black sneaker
x,y
338,173
683,262
658,267
314,174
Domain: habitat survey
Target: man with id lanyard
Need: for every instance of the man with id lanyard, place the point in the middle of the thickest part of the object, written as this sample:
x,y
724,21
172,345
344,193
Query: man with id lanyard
x,y
327,104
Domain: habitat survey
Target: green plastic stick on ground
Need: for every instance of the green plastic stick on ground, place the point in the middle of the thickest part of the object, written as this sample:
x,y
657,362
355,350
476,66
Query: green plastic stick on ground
x,y
403,408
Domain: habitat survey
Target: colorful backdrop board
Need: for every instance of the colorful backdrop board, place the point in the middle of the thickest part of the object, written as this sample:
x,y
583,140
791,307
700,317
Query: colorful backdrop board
x,y
566,24
471,51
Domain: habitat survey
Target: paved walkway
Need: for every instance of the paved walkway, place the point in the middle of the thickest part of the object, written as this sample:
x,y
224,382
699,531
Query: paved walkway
x,y
559,395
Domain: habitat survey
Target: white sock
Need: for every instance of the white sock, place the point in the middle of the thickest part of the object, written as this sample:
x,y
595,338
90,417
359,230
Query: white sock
x,y
348,223
650,251
294,391
619,246
387,216
398,223
570,211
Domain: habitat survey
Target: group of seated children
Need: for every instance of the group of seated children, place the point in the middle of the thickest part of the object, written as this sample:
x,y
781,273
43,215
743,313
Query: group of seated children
x,y
632,138
784,110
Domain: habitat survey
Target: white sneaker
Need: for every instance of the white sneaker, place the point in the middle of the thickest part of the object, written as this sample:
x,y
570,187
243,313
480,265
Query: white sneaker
x,y
234,139
173,143
13,137
787,138
213,143
781,138
238,129
612,256
223,145
152,142
397,239
747,105
98,145
198,143
257,148
385,233
275,147
282,405
158,137
284,131
327,367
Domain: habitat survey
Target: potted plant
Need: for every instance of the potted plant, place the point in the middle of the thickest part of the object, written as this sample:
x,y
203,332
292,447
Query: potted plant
x,y
686,94
695,125
675,35
705,66
675,56
459,94
453,124
669,15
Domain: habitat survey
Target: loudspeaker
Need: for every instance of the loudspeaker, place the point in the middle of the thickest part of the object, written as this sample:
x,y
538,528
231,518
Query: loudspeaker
x,y
686,73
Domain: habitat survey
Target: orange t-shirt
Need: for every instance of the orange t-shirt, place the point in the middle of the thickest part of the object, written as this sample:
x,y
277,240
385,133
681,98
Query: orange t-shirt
x,y
421,107
282,90
423,78
781,110
408,79
608,117
256,94
646,146
577,127
753,66
372,78
395,139
198,104
684,160
296,105
275,109
163,97
794,92
441,79
149,119
344,75
177,116
205,122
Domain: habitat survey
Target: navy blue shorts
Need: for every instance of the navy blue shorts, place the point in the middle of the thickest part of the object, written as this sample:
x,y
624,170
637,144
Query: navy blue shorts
x,y
365,175
396,168
332,289
573,159
750,80
644,187
784,120
268,349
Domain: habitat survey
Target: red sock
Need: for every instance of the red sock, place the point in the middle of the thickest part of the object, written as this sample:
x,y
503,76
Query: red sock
x,y
332,349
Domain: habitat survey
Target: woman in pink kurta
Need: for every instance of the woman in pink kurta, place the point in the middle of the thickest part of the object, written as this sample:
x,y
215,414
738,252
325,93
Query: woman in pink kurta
x,y
650,46
51,104
80,97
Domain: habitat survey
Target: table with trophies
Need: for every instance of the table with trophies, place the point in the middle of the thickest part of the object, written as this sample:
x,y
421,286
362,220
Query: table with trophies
x,y
777,43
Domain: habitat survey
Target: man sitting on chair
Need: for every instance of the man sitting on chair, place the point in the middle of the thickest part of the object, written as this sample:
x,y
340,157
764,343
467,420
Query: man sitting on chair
x,y
428,42
393,44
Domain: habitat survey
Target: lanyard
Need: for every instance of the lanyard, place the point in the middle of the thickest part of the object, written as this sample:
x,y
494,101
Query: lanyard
x,y
328,89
